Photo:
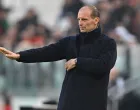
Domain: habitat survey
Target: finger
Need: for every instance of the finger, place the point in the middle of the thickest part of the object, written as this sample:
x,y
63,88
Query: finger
x,y
5,51
8,51
66,64
69,67
10,56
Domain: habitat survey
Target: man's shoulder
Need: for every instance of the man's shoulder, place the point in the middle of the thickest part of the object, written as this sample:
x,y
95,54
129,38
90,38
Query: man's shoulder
x,y
107,38
69,37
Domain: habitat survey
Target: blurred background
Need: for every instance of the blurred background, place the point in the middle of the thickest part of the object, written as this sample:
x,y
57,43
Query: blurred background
x,y
26,24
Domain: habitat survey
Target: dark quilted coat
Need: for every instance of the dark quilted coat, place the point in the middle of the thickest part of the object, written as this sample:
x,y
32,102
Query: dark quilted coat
x,y
85,86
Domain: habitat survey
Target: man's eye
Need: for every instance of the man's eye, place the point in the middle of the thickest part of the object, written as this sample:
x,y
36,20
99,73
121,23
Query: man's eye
x,y
84,19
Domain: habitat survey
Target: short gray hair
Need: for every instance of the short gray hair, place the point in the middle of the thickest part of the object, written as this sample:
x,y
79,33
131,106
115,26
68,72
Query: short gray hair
x,y
95,12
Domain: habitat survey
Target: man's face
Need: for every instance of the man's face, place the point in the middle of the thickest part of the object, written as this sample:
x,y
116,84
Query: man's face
x,y
86,22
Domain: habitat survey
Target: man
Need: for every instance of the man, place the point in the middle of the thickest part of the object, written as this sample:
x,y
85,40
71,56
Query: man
x,y
90,56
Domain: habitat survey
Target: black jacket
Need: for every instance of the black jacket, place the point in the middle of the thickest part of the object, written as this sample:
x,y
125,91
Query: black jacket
x,y
84,87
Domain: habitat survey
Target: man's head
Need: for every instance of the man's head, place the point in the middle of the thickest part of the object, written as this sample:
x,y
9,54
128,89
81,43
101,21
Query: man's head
x,y
88,18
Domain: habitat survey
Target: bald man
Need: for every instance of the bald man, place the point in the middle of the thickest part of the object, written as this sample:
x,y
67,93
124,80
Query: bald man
x,y
90,56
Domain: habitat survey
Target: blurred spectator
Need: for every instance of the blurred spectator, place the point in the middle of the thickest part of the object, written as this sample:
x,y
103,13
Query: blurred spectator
x,y
90,2
113,74
73,28
71,6
124,35
105,6
30,17
9,40
115,18
44,31
120,13
105,12
3,20
134,25
56,35
29,39
7,101
68,25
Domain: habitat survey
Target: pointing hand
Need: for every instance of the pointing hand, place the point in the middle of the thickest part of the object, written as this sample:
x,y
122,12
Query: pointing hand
x,y
9,54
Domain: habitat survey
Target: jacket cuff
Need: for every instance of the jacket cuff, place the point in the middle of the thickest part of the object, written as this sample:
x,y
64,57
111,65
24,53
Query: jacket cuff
x,y
19,60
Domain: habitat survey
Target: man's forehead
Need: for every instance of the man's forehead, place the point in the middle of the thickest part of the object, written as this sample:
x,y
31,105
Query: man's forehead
x,y
85,11
85,8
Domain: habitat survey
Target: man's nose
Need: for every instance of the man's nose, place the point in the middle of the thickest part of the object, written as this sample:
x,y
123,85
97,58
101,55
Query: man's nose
x,y
80,23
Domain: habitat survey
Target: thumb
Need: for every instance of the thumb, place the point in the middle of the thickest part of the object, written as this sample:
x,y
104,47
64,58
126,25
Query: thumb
x,y
12,56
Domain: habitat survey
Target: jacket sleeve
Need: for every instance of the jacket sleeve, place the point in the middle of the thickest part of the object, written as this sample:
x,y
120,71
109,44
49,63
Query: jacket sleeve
x,y
103,63
52,52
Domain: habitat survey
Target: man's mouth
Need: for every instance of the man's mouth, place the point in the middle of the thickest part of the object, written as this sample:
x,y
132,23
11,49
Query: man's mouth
x,y
82,28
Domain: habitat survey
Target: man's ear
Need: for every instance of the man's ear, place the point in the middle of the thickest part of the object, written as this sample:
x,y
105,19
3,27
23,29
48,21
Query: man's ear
x,y
96,20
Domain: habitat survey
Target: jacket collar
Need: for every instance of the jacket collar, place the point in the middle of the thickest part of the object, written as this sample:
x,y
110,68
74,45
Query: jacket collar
x,y
89,37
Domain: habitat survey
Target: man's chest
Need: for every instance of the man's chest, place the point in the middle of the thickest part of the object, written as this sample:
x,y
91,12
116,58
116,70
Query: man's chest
x,y
75,50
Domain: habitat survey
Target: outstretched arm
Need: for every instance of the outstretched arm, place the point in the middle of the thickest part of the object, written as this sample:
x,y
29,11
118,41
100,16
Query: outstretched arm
x,y
48,53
